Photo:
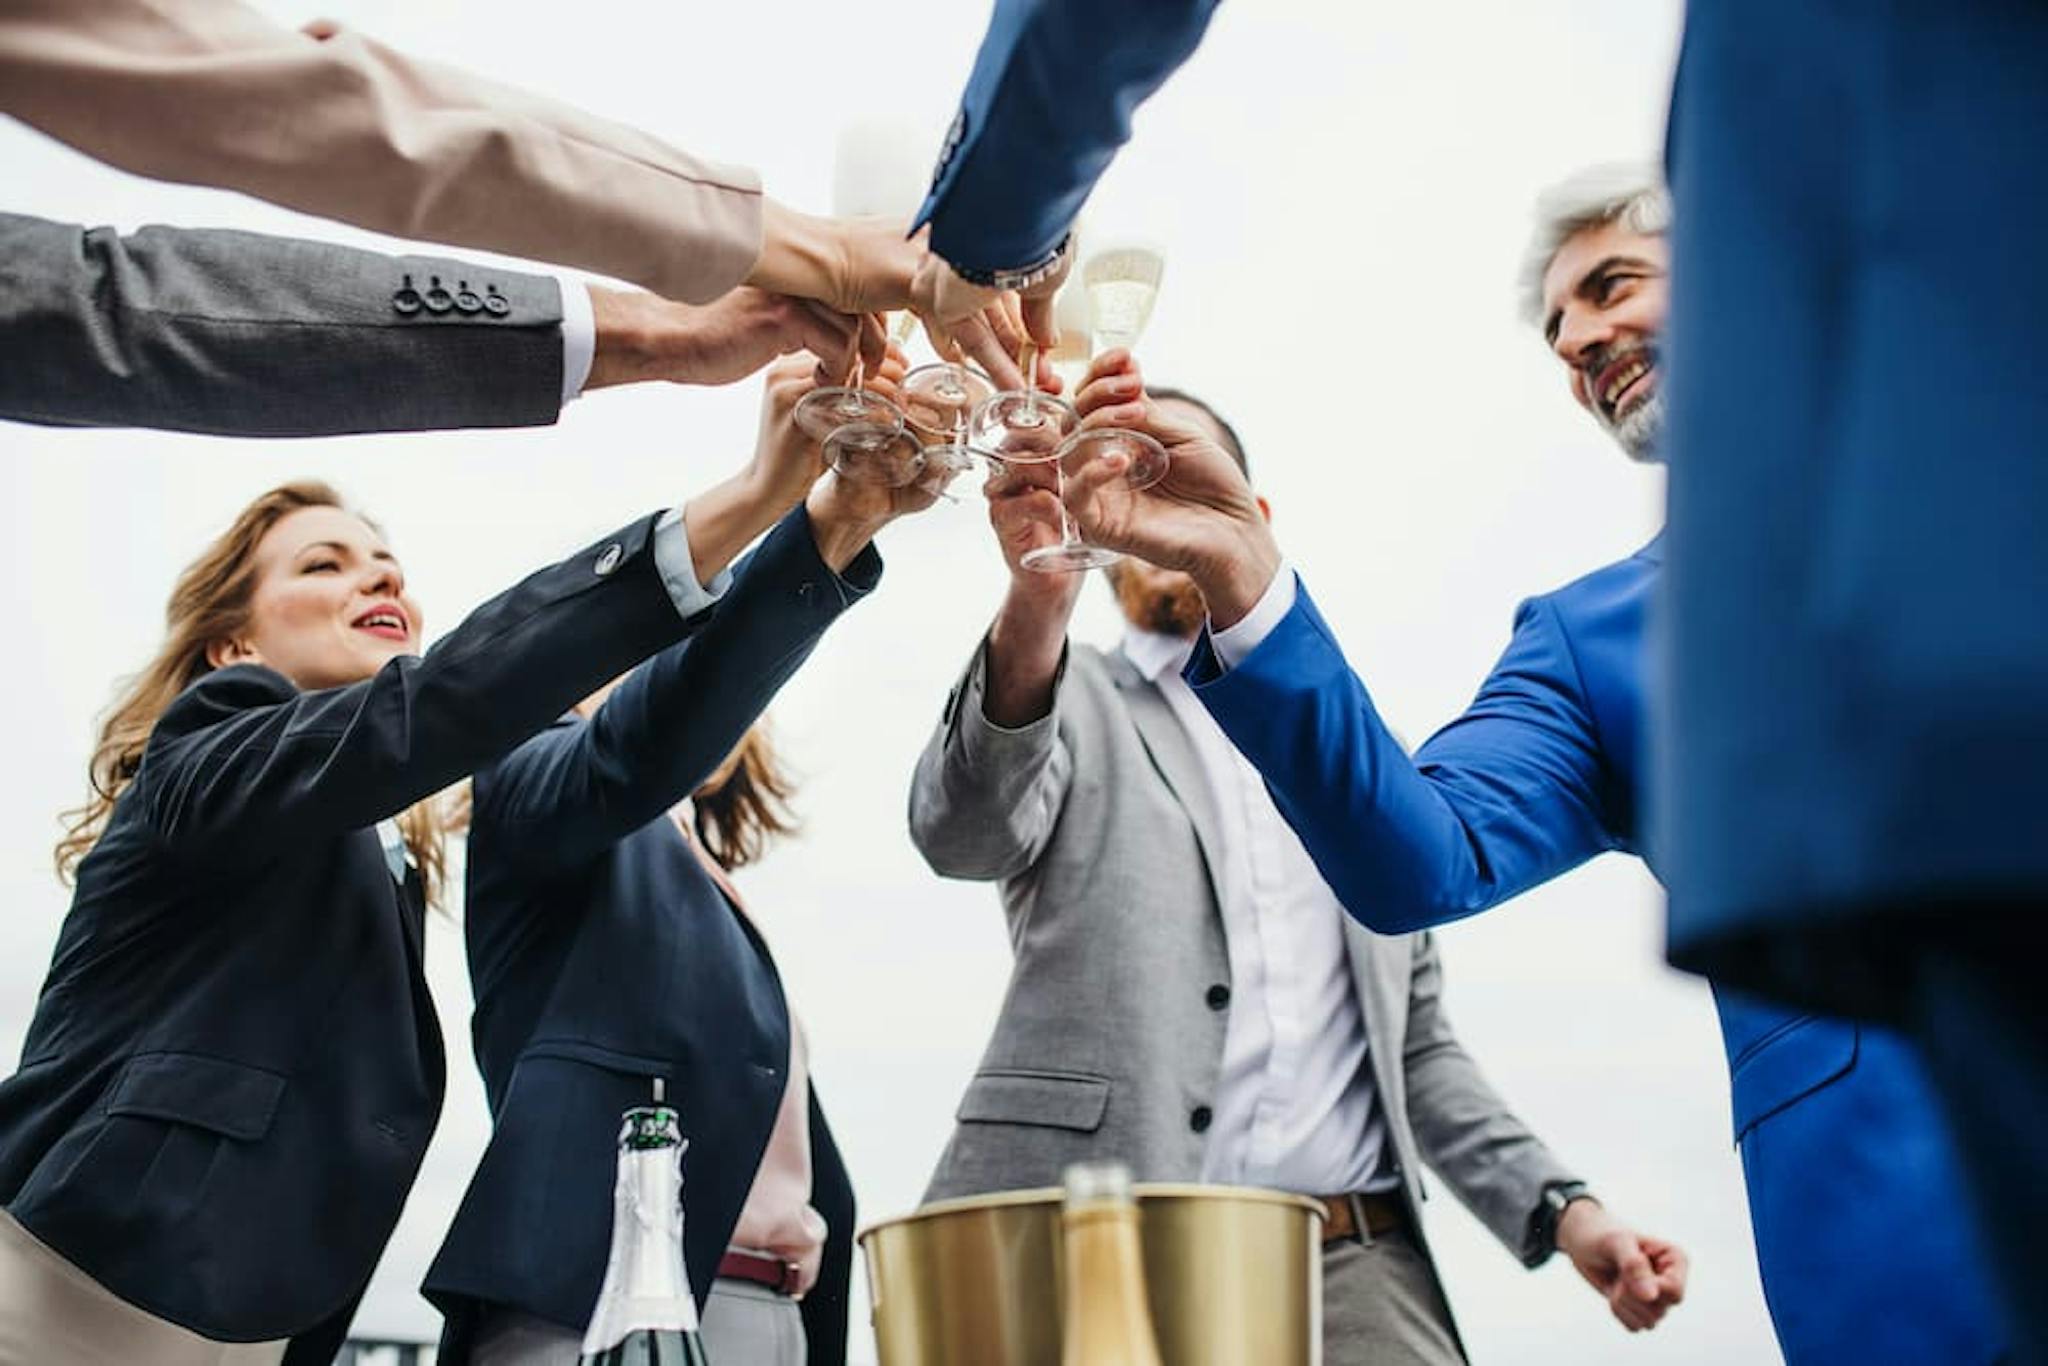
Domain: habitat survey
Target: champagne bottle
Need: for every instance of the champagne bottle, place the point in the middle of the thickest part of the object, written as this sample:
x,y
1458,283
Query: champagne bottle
x,y
1108,1322
645,1315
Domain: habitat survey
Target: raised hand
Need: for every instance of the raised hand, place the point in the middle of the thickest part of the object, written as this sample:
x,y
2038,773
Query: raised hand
x,y
645,337
987,325
1641,1278
1201,518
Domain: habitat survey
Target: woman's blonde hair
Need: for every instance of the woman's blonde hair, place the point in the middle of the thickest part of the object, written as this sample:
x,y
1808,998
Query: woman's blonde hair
x,y
209,603
745,802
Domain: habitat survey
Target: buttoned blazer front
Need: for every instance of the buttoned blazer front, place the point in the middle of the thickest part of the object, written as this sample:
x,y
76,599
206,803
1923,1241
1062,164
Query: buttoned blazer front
x,y
604,956
1098,825
233,1069
213,92
1841,1146
243,334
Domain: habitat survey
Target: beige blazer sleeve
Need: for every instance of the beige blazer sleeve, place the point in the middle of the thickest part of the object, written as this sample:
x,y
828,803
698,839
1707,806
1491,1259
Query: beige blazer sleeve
x,y
211,92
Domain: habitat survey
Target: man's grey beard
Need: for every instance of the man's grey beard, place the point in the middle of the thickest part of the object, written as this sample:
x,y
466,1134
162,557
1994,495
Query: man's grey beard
x,y
1641,432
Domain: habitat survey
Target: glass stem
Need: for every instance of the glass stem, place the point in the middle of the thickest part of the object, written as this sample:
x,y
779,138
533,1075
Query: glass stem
x,y
1070,535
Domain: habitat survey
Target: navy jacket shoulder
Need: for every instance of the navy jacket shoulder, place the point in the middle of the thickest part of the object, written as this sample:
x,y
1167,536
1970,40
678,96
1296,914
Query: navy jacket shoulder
x,y
1046,108
233,1068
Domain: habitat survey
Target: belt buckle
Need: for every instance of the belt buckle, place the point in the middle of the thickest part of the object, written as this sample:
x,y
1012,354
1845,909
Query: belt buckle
x,y
1358,1217
792,1278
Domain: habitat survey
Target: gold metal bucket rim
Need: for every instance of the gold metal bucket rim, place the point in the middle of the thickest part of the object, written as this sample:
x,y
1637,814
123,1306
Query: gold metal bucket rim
x,y
1040,1195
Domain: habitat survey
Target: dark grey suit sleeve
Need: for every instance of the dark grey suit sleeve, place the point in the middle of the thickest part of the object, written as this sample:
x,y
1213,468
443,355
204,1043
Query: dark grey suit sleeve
x,y
1466,1132
240,334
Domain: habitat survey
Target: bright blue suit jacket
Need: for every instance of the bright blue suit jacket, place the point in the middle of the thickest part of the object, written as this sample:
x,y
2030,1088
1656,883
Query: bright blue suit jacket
x,y
1858,585
1864,1249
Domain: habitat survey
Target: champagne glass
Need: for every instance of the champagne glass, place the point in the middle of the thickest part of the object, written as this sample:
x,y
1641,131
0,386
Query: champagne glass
x,y
938,403
1120,282
881,168
877,172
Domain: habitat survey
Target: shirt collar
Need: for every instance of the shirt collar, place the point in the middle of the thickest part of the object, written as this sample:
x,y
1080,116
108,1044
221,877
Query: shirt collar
x,y
1152,654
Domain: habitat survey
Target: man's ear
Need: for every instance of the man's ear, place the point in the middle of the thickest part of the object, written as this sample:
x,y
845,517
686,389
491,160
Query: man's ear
x,y
221,653
1265,508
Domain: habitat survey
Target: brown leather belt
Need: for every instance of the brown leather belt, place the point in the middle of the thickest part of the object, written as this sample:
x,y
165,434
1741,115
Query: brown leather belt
x,y
1380,1213
778,1275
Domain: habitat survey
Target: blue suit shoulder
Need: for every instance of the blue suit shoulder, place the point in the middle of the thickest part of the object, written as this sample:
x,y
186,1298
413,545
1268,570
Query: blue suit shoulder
x,y
1597,594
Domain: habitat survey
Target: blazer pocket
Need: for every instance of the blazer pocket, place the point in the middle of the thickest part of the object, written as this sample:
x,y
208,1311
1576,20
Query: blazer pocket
x,y
1790,1065
1053,1100
228,1098
597,1055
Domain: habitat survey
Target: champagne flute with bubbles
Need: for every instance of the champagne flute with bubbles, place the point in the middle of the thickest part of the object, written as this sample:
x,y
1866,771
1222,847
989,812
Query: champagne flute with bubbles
x,y
1119,282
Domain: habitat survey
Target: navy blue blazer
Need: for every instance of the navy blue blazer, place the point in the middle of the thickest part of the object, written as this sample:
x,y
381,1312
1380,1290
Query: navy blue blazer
x,y
234,1068
1862,1239
1859,590
1048,104
604,955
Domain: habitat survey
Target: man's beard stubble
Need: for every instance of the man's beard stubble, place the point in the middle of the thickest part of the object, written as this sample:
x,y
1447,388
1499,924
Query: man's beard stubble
x,y
1640,432
1173,609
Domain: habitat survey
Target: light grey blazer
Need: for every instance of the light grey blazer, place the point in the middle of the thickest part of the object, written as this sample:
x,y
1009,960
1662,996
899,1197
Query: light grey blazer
x,y
1101,831
240,334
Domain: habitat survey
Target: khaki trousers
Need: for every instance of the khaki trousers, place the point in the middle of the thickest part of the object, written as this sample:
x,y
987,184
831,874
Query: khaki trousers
x,y
53,1314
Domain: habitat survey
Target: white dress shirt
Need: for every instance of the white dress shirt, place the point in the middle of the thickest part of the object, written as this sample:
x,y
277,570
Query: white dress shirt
x,y
1294,1107
1234,643
579,337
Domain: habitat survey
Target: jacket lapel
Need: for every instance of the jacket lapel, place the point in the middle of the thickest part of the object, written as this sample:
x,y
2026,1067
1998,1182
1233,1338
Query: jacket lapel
x,y
1173,754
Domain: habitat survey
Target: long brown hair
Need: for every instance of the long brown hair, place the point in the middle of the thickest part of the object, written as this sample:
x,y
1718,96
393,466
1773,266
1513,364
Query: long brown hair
x,y
210,602
745,802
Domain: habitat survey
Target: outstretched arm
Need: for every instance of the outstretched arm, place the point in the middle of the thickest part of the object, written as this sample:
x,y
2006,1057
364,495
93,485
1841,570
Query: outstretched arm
x,y
330,122
245,334
1513,792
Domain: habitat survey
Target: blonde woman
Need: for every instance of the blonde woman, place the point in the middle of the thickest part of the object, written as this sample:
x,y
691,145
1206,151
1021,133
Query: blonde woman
x,y
233,1069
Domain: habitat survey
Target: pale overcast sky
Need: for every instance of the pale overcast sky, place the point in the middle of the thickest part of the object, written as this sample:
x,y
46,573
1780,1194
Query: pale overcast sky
x,y
1343,192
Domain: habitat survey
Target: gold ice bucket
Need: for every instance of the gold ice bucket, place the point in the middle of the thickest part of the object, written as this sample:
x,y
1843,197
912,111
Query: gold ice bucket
x,y
1234,1277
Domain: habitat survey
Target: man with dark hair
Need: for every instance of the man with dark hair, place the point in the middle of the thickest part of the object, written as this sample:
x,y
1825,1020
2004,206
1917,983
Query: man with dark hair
x,y
1188,994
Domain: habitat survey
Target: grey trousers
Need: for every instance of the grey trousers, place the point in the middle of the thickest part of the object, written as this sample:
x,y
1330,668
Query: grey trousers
x,y
1382,1307
744,1323
53,1314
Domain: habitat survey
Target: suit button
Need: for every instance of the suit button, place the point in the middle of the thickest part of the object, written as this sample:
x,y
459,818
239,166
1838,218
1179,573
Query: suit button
x,y
467,300
1199,1120
1218,996
437,299
609,559
496,304
405,299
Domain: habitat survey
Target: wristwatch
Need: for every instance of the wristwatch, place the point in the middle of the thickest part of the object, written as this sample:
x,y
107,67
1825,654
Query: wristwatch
x,y
1024,277
1557,1197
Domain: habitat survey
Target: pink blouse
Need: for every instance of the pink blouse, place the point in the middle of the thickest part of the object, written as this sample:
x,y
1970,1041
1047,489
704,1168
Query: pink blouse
x,y
778,1220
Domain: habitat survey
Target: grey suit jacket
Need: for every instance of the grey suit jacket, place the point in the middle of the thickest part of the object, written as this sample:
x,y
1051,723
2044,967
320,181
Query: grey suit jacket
x,y
215,92
239,334
1099,827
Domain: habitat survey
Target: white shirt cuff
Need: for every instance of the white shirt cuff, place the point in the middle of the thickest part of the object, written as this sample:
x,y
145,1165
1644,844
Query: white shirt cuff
x,y
579,336
1235,642
679,570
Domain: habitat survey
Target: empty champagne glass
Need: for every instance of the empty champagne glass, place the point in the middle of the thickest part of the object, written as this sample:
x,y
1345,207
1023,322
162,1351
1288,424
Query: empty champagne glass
x,y
938,404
